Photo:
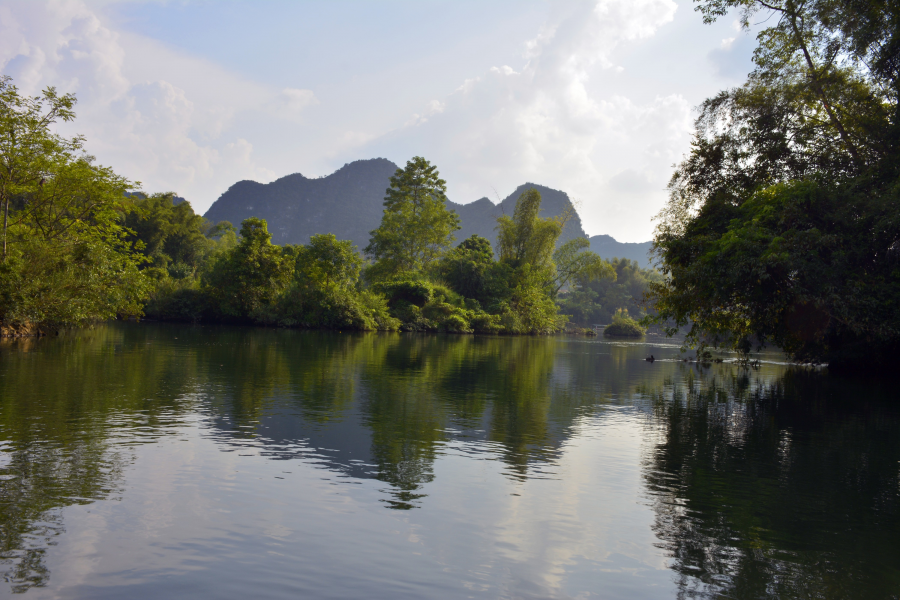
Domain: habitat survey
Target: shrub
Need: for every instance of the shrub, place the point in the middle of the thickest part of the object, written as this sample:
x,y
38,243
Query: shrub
x,y
412,291
623,326
482,322
177,300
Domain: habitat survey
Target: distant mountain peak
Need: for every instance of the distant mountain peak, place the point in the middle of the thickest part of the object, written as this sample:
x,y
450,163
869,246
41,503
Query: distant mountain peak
x,y
349,203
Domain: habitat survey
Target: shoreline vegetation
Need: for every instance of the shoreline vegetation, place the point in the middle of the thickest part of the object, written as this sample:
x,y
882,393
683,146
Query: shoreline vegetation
x,y
783,220
82,245
624,326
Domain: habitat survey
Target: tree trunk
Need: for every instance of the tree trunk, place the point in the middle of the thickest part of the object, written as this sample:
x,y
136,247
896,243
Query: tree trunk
x,y
5,219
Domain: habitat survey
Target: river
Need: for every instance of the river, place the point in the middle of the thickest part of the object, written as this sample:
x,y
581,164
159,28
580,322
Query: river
x,y
173,461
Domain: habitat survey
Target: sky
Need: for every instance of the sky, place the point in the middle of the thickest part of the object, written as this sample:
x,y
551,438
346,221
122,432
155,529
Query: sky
x,y
592,97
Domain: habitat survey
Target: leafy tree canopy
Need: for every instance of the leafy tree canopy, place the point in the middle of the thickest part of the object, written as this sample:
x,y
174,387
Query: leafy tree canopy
x,y
782,223
250,277
66,259
573,261
416,227
526,238
173,237
328,262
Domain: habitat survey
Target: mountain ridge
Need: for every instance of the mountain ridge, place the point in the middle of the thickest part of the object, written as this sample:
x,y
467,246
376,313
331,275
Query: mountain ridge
x,y
349,204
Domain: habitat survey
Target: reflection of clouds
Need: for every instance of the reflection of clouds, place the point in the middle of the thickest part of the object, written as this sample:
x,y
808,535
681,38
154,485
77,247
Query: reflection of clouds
x,y
578,490
539,537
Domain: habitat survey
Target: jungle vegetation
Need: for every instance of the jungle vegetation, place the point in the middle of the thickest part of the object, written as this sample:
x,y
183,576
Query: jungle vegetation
x,y
783,224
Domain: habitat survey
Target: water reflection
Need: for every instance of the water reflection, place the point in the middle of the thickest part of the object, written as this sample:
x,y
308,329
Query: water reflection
x,y
63,407
777,488
774,482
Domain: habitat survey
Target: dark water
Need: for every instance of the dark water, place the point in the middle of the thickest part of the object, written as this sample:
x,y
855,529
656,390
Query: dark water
x,y
153,461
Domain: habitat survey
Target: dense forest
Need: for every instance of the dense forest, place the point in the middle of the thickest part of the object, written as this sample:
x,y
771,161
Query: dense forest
x,y
81,245
783,224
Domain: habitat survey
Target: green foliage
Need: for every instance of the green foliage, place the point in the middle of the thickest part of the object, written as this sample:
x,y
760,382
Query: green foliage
x,y
416,227
573,262
415,292
782,223
247,279
466,268
323,293
526,238
623,325
328,263
591,302
66,259
171,236
178,299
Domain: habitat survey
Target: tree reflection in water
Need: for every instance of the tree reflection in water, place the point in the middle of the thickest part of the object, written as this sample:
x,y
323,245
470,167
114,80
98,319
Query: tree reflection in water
x,y
62,406
780,483
786,488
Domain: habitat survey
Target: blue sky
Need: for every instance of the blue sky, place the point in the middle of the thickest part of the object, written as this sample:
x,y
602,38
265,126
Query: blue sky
x,y
591,97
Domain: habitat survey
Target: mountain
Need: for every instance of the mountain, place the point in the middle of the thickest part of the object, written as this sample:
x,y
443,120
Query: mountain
x,y
349,204
480,217
609,248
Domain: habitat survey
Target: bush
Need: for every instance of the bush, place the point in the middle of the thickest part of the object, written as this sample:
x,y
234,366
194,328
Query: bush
x,y
330,308
624,326
455,323
482,322
177,300
413,291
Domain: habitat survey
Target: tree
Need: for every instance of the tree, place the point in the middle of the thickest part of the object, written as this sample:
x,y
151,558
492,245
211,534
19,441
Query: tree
x,y
323,292
526,244
596,301
782,224
573,262
66,259
29,151
327,262
526,238
172,235
250,277
416,227
466,268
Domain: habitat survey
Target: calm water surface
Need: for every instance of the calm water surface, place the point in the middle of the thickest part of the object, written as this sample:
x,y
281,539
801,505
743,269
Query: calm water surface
x,y
160,461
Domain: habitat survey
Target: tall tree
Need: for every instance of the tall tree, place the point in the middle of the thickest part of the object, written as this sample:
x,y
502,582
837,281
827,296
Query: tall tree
x,y
66,259
416,227
783,221
249,277
526,238
29,151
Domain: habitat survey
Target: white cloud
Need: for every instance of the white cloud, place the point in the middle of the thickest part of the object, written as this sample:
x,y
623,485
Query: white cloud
x,y
147,127
589,106
543,124
292,102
